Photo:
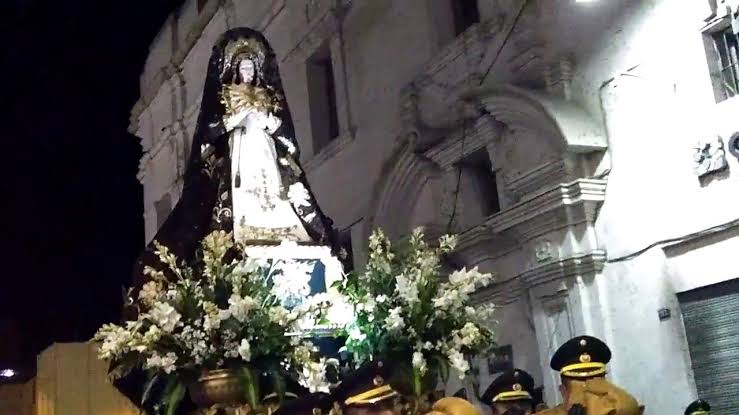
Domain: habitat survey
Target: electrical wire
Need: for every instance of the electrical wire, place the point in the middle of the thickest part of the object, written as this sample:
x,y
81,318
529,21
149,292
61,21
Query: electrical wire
x,y
705,232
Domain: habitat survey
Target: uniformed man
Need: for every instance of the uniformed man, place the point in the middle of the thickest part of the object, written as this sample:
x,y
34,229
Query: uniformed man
x,y
581,362
698,407
366,391
513,388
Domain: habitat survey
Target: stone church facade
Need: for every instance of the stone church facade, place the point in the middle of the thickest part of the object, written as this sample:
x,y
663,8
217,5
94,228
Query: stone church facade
x,y
586,153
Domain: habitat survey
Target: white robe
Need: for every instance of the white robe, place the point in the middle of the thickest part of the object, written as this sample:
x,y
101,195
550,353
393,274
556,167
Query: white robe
x,y
261,208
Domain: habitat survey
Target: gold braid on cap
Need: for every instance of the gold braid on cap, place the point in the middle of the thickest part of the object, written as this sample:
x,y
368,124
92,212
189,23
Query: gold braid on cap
x,y
512,396
372,396
585,369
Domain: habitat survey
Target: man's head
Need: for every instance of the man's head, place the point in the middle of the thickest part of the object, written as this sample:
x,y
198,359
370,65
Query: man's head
x,y
512,389
579,359
366,391
698,407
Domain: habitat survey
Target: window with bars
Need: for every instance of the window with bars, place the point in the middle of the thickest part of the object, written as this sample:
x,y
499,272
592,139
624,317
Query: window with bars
x,y
725,65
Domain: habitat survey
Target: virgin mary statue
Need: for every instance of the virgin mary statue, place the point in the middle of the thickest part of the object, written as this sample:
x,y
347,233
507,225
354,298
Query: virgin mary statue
x,y
244,174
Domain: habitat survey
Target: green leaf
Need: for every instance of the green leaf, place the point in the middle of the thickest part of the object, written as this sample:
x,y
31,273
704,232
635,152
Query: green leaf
x,y
174,396
153,379
278,383
251,386
442,366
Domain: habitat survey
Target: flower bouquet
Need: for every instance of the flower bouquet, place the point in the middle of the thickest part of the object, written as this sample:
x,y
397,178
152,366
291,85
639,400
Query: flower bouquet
x,y
408,313
218,324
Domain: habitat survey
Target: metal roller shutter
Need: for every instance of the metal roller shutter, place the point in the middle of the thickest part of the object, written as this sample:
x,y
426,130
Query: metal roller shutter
x,y
711,318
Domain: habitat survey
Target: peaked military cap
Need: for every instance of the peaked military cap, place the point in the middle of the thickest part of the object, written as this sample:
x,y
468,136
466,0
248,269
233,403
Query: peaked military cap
x,y
366,386
511,385
581,357
699,407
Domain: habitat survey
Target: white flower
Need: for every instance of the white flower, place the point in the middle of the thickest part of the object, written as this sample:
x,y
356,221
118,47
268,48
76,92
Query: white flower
x,y
407,288
165,363
239,307
356,334
298,195
247,266
470,334
448,298
115,340
313,377
381,298
419,363
152,335
302,352
292,282
245,350
287,143
165,316
149,293
394,321
458,362
211,320
279,315
223,315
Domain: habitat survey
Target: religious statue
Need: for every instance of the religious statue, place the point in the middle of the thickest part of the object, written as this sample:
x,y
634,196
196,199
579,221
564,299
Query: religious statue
x,y
244,177
244,174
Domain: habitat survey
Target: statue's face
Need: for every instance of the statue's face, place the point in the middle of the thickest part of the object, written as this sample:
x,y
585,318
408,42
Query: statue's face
x,y
246,70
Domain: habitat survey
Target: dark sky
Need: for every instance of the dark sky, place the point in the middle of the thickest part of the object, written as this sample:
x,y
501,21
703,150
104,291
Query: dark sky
x,y
71,203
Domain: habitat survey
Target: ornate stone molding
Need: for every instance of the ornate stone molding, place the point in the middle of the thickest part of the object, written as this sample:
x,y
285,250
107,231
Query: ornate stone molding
x,y
508,291
521,109
333,148
562,205
536,178
401,181
582,264
325,20
477,135
481,244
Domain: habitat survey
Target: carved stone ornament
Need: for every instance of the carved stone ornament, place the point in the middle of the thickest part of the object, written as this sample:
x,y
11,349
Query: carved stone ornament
x,y
709,157
543,251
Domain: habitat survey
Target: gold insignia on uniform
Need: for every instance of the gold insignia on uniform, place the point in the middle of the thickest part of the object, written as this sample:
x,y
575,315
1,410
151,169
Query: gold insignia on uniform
x,y
378,380
585,358
517,387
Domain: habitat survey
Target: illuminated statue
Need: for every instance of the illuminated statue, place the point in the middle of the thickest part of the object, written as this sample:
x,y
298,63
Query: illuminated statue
x,y
244,174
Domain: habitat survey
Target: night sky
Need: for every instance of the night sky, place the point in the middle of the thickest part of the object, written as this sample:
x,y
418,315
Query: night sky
x,y
71,204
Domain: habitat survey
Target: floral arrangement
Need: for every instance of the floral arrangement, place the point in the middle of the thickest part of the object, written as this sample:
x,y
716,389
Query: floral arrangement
x,y
224,311
405,308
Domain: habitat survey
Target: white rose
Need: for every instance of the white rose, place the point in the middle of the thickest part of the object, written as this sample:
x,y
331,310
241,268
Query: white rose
x,y
165,316
245,350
